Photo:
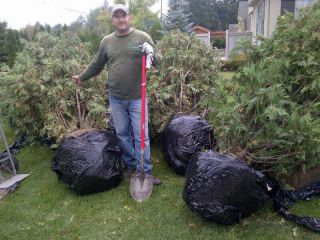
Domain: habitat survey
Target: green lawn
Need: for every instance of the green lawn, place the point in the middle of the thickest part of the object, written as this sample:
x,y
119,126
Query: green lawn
x,y
43,208
227,75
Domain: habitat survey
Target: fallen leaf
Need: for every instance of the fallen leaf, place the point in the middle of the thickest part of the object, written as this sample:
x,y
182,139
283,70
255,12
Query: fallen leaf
x,y
126,207
192,225
294,232
244,222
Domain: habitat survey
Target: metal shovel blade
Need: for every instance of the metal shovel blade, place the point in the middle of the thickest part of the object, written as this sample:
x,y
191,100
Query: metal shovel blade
x,y
141,186
12,180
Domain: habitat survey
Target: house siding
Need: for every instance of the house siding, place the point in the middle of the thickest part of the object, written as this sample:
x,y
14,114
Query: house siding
x,y
272,10
273,14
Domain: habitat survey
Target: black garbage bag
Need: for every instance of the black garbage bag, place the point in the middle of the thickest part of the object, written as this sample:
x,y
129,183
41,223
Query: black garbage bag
x,y
284,199
5,163
222,189
182,137
90,162
16,146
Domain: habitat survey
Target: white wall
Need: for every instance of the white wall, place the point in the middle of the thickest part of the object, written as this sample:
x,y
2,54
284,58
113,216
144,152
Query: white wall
x,y
272,12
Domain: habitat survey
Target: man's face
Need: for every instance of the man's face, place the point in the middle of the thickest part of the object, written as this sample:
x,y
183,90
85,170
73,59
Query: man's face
x,y
121,21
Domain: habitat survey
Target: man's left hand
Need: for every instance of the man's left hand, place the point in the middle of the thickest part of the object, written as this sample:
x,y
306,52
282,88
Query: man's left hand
x,y
148,50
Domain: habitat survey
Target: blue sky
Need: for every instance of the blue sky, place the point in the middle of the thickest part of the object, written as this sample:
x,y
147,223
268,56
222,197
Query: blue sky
x,y
19,13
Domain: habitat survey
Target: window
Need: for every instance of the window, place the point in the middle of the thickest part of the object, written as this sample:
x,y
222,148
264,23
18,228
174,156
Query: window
x,y
304,3
260,18
287,6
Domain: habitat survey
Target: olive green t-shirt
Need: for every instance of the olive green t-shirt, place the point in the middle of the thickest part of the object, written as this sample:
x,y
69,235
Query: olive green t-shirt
x,y
123,58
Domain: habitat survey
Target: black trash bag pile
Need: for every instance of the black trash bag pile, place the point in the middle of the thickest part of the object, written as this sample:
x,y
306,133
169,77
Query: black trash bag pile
x,y
225,190
14,149
182,137
16,146
90,162
222,189
284,199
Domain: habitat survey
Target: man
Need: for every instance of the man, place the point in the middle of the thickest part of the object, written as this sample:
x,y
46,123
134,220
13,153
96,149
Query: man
x,y
122,52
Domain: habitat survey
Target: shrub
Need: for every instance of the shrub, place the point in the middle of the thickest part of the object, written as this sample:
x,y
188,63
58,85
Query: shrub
x,y
269,113
40,100
218,42
183,80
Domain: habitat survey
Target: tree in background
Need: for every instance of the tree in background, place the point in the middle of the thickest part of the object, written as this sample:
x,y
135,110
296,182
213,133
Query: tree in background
x,y
213,14
12,46
142,17
178,17
9,44
98,23
3,53
93,28
120,2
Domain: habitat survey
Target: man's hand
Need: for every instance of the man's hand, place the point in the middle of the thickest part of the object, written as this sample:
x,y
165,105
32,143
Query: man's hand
x,y
148,50
77,80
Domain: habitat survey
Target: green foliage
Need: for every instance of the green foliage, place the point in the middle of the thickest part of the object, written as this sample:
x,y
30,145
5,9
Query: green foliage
x,y
93,27
9,44
99,23
183,80
39,98
178,17
269,112
149,22
218,42
143,18
213,14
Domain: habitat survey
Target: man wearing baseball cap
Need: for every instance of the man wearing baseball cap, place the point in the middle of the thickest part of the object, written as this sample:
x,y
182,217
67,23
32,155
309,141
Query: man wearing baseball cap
x,y
121,51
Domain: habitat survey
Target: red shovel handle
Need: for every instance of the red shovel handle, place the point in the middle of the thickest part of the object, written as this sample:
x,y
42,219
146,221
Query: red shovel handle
x,y
143,102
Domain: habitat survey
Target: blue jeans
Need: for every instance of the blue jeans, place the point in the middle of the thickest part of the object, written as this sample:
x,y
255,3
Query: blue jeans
x,y
126,117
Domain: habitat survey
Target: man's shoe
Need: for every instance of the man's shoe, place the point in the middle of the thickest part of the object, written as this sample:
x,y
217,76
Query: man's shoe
x,y
156,181
127,173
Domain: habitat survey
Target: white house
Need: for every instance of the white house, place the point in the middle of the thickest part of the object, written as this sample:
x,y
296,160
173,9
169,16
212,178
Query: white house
x,y
264,14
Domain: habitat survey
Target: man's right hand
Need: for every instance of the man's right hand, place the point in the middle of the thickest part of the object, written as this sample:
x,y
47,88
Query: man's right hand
x,y
77,80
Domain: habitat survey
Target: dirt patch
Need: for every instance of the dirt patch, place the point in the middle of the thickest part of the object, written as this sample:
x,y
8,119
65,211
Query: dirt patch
x,y
299,179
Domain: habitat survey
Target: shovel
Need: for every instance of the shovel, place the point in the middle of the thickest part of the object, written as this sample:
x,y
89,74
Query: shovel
x,y
141,184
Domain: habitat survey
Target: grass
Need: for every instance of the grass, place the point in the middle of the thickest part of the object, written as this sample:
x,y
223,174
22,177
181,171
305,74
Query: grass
x,y
43,208
227,75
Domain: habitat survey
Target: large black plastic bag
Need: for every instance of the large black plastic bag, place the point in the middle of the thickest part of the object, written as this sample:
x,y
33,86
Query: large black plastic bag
x,y
182,137
284,199
223,189
90,162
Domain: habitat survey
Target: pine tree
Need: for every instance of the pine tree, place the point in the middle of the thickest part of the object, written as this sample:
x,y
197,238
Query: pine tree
x,y
213,14
178,16
3,53
9,44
